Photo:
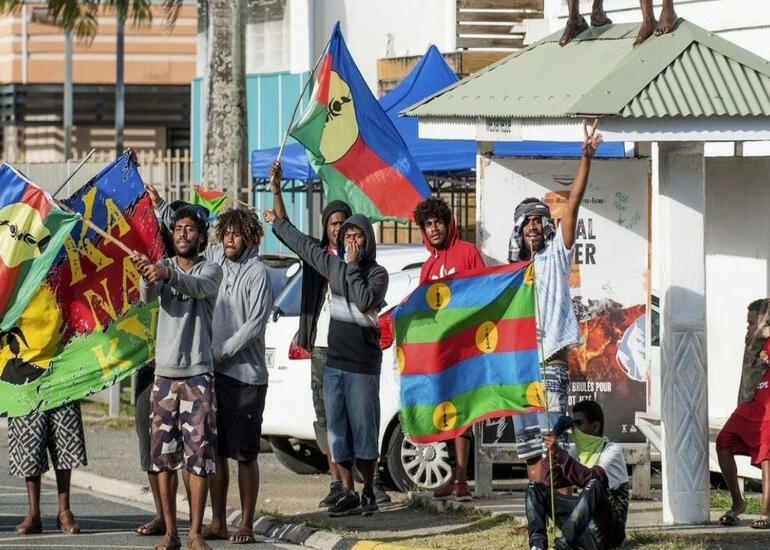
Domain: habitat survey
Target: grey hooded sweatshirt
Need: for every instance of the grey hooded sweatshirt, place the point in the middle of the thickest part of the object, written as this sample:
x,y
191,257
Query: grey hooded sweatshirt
x,y
240,315
183,347
357,294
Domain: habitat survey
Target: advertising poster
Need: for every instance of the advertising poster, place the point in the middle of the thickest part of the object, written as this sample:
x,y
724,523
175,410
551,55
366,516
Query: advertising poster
x,y
609,276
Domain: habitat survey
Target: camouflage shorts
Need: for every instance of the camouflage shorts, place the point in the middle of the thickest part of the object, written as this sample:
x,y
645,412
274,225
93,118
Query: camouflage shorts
x,y
183,429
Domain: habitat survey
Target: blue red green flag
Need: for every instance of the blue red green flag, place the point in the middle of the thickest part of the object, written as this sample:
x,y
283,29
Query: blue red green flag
x,y
213,200
467,351
32,231
352,144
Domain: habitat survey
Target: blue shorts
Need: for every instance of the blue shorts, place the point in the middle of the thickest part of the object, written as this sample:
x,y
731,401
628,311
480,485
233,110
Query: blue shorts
x,y
530,427
352,405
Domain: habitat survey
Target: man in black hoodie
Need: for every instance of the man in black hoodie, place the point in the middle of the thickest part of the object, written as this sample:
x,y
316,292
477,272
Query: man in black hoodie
x,y
314,316
352,373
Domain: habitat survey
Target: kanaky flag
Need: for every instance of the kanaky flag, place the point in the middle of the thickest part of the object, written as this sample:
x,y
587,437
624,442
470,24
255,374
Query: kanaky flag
x,y
467,351
352,144
32,231
213,200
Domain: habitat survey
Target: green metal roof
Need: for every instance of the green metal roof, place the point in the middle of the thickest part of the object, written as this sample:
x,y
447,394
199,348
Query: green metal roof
x,y
689,72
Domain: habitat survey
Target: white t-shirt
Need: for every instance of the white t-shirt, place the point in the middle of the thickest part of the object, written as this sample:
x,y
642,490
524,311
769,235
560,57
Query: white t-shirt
x,y
611,461
324,318
557,318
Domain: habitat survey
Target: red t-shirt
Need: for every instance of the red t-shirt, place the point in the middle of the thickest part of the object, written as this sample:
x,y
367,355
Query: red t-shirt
x,y
758,409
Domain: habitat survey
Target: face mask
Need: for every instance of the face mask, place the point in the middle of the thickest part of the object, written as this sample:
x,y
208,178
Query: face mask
x,y
360,254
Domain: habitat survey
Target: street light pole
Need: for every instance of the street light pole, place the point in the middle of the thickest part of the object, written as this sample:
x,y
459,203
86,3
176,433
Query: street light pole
x,y
120,92
67,115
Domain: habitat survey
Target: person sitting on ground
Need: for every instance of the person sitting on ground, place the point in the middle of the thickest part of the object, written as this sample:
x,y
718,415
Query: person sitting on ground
x,y
351,382
597,518
747,431
448,255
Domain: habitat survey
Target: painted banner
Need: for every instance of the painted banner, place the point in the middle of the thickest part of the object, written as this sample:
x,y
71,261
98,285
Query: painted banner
x,y
353,145
467,351
32,231
609,279
84,328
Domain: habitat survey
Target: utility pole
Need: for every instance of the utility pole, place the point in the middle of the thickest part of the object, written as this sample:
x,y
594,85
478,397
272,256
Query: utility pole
x,y
120,91
67,114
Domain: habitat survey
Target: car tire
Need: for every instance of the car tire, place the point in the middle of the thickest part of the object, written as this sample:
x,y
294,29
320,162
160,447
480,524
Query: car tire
x,y
298,456
416,467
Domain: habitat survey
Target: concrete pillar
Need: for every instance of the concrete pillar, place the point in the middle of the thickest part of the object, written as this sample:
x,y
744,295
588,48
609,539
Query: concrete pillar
x,y
684,406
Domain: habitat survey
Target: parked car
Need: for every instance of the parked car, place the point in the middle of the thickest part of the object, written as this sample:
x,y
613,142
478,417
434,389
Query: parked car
x,y
289,414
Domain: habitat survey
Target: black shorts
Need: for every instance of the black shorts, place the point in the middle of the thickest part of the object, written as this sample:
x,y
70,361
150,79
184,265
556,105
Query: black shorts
x,y
142,389
239,417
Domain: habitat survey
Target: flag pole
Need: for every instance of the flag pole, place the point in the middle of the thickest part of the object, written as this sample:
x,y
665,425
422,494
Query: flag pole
x,y
75,171
299,100
125,248
545,389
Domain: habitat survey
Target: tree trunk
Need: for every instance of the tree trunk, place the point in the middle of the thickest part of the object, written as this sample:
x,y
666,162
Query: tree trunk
x,y
225,159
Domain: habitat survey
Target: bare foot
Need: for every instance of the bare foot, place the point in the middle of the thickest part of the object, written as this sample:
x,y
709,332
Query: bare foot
x,y
599,18
645,31
30,526
666,22
153,528
169,542
66,522
214,531
739,507
196,542
574,27
244,535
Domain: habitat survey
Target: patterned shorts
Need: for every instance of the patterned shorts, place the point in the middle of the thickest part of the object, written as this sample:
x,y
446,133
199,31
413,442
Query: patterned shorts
x,y
183,429
59,430
529,428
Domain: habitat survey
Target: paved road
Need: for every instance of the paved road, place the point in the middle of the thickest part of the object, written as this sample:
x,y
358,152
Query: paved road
x,y
106,523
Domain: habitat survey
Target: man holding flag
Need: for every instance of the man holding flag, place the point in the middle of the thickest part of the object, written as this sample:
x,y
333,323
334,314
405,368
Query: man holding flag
x,y
448,255
534,232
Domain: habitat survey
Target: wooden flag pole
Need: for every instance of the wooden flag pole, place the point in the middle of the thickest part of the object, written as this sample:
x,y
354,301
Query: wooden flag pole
x,y
545,390
299,100
125,248
75,171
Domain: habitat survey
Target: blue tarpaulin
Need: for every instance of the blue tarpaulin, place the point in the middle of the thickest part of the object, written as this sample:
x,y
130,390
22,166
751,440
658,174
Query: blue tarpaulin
x,y
431,74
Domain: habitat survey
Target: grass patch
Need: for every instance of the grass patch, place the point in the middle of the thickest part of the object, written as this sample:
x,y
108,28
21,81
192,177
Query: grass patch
x,y
720,500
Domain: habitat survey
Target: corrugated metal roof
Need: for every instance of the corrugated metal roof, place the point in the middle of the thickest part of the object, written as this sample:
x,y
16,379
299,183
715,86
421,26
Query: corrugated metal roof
x,y
686,73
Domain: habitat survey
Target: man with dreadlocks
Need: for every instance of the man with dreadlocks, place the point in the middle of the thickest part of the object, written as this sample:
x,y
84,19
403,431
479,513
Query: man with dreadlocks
x,y
534,231
238,347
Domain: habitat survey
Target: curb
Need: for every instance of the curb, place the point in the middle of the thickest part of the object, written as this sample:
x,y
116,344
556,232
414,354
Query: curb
x,y
266,526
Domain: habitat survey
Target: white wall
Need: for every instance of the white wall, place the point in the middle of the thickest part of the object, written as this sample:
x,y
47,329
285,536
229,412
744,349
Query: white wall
x,y
374,29
737,255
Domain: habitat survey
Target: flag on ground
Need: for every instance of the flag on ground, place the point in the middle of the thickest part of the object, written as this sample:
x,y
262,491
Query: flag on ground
x,y
352,144
32,231
213,200
467,351
84,328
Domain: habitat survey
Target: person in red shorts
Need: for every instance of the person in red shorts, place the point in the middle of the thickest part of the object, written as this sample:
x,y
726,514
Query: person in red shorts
x,y
747,431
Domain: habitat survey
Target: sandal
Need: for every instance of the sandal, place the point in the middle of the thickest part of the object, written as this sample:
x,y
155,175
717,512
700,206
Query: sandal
x,y
243,535
169,542
152,528
70,527
729,519
33,528
762,523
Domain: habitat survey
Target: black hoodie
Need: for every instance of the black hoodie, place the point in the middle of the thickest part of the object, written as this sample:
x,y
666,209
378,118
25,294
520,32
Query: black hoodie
x,y
357,293
314,284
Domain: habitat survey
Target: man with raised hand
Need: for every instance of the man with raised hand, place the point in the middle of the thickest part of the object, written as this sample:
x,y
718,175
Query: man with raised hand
x,y
351,377
535,232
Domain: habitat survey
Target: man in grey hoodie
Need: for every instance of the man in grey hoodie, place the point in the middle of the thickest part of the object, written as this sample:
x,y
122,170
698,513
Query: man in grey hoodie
x,y
240,316
183,426
352,374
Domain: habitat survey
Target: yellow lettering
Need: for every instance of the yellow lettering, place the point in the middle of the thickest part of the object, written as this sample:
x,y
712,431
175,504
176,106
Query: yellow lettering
x,y
133,326
74,249
130,275
109,362
104,301
115,217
